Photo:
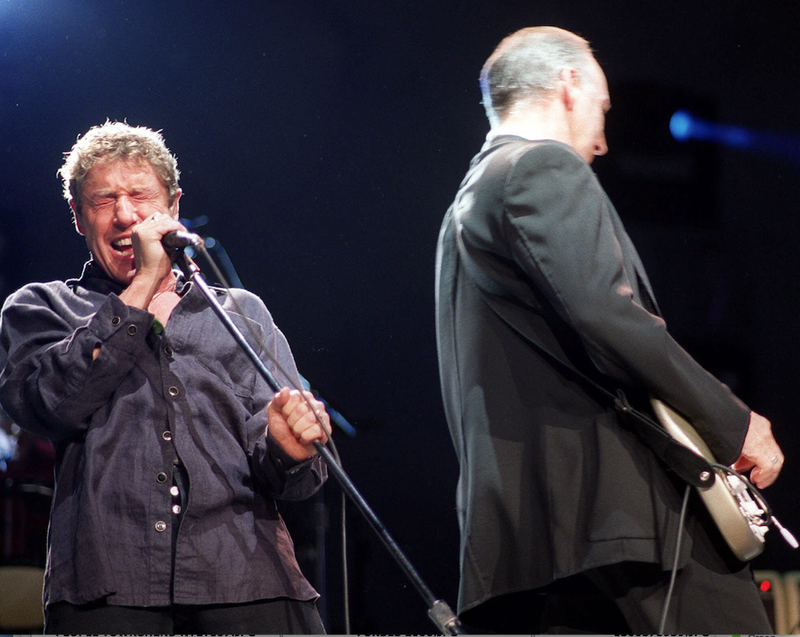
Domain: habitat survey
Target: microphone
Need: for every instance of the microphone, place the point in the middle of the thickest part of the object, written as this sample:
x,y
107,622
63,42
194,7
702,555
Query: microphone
x,y
179,239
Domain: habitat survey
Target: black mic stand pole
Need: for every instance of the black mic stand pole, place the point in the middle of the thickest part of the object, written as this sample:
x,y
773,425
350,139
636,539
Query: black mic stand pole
x,y
438,610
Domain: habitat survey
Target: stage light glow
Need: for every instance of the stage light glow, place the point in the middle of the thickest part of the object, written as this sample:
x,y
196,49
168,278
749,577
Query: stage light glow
x,y
680,125
684,126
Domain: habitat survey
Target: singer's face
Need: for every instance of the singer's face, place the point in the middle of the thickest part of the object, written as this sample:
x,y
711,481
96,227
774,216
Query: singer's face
x,y
116,195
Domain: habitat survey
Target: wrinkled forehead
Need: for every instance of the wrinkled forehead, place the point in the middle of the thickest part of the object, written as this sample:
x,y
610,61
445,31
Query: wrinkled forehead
x,y
120,170
117,176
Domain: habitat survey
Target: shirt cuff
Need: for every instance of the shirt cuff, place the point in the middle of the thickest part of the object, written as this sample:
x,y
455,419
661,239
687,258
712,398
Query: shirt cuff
x,y
287,465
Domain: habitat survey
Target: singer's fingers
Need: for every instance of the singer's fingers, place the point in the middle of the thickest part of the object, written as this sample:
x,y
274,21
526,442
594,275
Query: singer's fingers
x,y
293,422
280,399
303,414
286,400
307,429
159,218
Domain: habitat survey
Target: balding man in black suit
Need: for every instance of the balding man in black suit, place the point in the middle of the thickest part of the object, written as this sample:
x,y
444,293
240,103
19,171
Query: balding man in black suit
x,y
569,521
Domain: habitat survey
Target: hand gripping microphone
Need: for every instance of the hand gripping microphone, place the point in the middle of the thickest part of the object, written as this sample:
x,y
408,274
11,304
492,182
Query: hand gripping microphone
x,y
179,239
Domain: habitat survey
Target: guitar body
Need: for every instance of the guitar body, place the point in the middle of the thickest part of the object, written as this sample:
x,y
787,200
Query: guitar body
x,y
728,505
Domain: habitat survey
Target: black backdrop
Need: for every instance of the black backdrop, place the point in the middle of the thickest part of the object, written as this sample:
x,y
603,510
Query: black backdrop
x,y
324,141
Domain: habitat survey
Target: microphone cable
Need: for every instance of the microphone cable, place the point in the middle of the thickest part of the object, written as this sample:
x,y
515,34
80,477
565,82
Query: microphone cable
x,y
674,572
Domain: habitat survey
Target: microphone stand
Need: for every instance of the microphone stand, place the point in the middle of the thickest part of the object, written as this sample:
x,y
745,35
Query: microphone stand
x,y
438,610
224,261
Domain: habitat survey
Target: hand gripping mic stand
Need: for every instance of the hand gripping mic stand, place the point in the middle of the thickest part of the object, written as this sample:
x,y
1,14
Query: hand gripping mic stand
x,y
438,610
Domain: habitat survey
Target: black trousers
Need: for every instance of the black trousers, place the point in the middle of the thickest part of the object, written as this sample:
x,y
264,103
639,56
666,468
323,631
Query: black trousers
x,y
628,598
266,617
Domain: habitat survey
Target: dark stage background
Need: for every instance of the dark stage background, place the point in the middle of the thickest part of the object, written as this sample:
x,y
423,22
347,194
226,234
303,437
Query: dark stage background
x,y
324,141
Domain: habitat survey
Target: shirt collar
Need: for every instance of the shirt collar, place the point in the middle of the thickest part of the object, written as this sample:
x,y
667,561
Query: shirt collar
x,y
94,278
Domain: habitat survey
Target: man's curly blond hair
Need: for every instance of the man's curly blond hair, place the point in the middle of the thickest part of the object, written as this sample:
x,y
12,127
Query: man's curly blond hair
x,y
117,140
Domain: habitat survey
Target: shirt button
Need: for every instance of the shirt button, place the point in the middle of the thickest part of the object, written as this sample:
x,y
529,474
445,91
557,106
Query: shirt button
x,y
161,477
166,435
115,320
161,526
176,509
174,491
174,391
132,329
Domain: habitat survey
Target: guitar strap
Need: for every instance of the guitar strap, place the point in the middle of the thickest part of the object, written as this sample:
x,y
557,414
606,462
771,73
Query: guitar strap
x,y
691,467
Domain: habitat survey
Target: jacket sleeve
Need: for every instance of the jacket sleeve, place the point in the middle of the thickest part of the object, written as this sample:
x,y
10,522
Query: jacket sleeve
x,y
50,384
559,225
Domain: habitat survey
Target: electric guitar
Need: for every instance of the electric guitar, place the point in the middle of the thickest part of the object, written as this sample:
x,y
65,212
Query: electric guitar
x,y
741,518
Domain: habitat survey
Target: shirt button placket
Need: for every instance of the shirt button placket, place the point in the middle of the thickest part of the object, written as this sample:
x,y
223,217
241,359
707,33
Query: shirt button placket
x,y
161,525
166,435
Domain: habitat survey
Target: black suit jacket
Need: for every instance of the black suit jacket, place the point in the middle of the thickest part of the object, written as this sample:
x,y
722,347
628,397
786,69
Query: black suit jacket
x,y
551,481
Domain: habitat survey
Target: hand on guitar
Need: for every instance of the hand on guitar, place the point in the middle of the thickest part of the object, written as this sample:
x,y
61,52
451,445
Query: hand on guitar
x,y
760,453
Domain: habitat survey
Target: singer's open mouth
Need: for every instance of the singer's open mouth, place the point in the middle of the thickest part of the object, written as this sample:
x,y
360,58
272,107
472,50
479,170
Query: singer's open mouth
x,y
123,246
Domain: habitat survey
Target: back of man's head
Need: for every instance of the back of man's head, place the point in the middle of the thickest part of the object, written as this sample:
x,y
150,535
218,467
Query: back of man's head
x,y
526,66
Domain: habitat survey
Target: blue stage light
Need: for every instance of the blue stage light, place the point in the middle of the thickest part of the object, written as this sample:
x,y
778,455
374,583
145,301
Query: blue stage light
x,y
680,125
685,126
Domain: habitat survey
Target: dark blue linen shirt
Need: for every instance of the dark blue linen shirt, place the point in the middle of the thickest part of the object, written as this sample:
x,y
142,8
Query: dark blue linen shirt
x,y
122,423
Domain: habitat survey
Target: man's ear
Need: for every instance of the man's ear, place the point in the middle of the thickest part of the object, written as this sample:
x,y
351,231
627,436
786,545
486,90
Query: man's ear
x,y
174,207
570,85
76,217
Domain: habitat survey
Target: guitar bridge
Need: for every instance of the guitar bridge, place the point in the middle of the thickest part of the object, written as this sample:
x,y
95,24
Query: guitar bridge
x,y
753,513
